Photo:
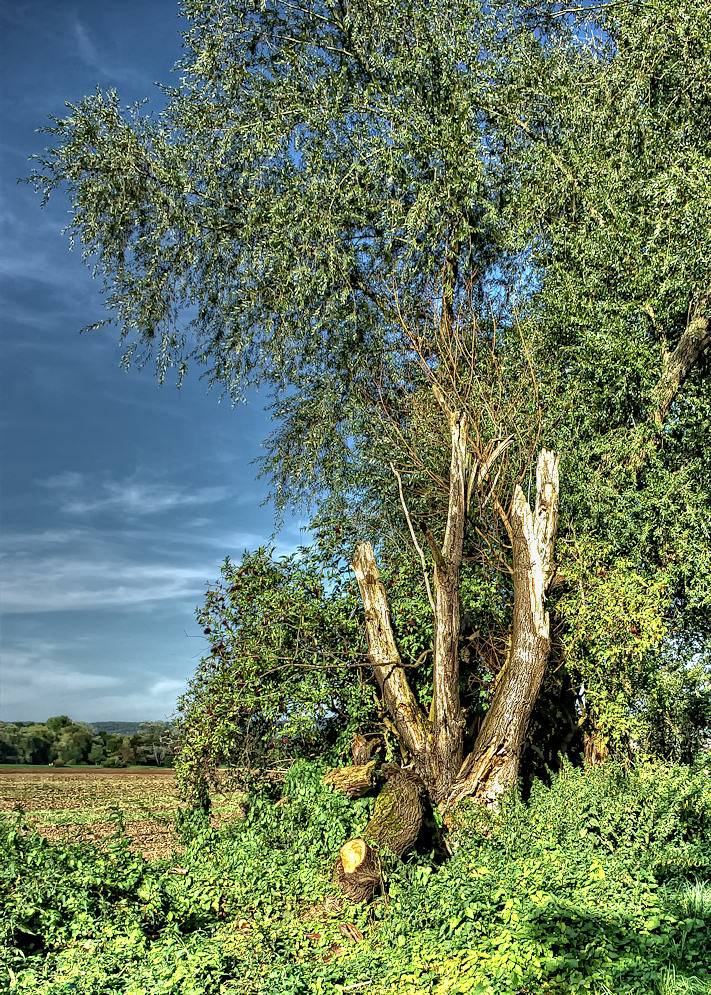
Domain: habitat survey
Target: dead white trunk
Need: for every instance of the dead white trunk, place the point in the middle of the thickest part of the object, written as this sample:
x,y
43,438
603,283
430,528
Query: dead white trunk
x,y
493,764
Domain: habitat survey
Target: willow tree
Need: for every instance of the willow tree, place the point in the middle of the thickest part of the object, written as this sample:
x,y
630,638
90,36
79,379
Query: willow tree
x,y
615,194
317,155
313,156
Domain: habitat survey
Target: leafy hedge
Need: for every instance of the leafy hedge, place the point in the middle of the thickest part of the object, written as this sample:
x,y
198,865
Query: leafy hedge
x,y
600,883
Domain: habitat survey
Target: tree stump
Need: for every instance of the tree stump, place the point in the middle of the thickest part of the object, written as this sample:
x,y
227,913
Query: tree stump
x,y
358,870
394,826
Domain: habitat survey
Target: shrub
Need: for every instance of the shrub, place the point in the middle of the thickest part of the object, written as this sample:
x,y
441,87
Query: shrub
x,y
596,885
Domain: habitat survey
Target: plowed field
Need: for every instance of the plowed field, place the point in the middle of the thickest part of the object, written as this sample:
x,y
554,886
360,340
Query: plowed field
x,y
78,803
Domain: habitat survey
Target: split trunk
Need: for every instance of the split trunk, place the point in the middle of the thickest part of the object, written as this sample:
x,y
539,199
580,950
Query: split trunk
x,y
434,741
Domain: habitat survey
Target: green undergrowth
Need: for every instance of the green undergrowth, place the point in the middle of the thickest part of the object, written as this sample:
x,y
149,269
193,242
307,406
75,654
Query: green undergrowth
x,y
600,883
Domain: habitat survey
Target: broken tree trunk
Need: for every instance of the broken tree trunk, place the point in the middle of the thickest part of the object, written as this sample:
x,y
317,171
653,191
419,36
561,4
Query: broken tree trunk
x,y
355,781
394,827
397,696
444,757
493,764
363,748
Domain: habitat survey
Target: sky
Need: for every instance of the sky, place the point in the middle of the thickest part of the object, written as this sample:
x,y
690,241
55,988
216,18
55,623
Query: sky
x,y
119,499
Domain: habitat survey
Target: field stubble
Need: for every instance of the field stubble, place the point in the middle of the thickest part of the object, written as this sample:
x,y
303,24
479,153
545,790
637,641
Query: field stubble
x,y
80,804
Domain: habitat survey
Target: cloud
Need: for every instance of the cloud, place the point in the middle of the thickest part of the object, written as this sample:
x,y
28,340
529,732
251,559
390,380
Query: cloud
x,y
97,60
33,672
78,494
37,684
80,581
119,544
86,49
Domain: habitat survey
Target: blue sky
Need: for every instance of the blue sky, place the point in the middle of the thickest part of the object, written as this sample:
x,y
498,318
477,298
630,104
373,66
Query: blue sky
x,y
120,499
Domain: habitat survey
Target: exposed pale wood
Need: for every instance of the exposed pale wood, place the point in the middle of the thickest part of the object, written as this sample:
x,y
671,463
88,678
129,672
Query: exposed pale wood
x,y
357,870
493,764
410,720
394,827
353,854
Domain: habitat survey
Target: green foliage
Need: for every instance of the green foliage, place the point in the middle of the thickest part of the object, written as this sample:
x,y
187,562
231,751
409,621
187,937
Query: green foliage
x,y
310,155
599,885
62,742
623,263
285,665
286,673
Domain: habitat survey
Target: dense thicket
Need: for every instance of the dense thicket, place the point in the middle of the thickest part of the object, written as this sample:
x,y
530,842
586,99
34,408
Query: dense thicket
x,y
61,742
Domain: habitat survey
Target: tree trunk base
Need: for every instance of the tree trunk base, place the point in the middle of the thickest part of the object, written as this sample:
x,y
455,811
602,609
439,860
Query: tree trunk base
x,y
357,870
394,826
490,775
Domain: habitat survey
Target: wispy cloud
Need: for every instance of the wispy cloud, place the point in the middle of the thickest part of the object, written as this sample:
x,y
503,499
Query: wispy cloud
x,y
36,684
80,582
78,494
33,671
94,57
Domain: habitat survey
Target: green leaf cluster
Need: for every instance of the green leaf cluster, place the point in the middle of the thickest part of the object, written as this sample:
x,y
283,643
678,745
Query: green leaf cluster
x,y
600,883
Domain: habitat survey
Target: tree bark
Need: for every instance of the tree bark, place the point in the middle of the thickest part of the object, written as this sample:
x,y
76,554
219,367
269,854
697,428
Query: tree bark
x,y
444,757
363,748
695,340
357,871
354,781
394,826
493,764
410,720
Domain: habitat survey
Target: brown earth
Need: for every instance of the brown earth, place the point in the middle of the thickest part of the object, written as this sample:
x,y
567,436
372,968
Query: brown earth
x,y
76,804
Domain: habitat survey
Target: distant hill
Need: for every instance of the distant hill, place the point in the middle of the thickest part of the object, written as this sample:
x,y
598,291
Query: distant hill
x,y
122,728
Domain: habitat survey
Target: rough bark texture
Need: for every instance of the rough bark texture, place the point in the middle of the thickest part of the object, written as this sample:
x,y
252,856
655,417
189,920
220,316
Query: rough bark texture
x,y
493,764
444,757
354,781
596,750
394,826
410,721
399,809
357,871
363,748
679,364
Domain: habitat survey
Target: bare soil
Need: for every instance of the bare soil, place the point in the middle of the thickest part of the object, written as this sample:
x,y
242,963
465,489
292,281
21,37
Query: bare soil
x,y
76,804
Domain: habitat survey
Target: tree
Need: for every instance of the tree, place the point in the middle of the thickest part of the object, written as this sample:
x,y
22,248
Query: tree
x,y
157,742
342,193
73,743
623,325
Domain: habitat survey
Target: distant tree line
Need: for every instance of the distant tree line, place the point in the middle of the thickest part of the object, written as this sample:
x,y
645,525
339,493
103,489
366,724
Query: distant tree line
x,y
63,742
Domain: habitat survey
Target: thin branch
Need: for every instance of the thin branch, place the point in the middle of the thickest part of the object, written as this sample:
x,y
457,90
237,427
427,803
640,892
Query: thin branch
x,y
416,544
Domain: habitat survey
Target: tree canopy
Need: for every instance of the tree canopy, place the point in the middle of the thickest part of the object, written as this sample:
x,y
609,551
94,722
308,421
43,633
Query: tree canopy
x,y
393,215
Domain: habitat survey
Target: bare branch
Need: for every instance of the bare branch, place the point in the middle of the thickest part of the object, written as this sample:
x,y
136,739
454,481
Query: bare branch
x,y
416,544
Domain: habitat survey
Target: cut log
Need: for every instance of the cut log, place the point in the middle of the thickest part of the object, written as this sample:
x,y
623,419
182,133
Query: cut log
x,y
354,781
394,827
358,870
398,813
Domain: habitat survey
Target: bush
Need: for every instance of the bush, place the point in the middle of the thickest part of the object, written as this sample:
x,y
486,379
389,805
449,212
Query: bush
x,y
599,884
